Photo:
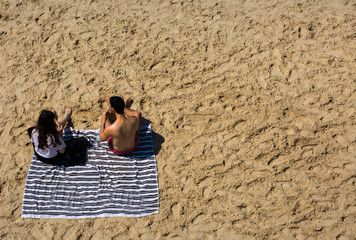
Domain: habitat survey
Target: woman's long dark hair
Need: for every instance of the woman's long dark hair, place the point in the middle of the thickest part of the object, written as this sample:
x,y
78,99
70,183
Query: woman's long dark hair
x,y
46,127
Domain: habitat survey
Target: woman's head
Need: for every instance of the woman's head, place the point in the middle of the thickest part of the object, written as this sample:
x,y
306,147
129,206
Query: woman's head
x,y
47,127
46,120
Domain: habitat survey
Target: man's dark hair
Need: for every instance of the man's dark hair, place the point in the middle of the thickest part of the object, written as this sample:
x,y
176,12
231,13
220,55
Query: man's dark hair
x,y
118,104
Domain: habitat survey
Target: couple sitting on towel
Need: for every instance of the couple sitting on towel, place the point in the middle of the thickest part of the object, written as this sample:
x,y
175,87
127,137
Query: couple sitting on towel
x,y
119,126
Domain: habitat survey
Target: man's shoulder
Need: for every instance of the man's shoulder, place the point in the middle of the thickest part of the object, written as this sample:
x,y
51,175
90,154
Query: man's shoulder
x,y
133,119
129,123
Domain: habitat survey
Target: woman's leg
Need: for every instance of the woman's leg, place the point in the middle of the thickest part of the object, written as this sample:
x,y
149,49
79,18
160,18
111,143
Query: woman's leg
x,y
66,117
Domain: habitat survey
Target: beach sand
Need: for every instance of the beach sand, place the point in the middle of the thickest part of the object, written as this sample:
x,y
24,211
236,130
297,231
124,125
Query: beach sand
x,y
252,102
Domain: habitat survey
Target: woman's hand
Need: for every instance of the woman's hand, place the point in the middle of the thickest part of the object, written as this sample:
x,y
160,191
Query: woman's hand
x,y
59,126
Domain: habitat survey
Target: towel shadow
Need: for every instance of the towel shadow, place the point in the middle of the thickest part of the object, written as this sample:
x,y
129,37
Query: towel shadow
x,y
70,124
76,152
157,138
77,148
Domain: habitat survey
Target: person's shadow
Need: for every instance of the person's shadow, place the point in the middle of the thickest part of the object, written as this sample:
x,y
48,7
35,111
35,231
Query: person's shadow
x,y
157,138
76,149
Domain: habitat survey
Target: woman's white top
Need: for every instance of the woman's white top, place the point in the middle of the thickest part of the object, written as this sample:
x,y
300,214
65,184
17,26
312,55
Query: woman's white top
x,y
49,152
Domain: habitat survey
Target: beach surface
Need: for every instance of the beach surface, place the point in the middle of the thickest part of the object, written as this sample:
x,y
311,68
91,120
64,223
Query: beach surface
x,y
252,104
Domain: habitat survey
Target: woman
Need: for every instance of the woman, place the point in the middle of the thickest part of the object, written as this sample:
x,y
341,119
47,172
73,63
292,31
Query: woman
x,y
47,136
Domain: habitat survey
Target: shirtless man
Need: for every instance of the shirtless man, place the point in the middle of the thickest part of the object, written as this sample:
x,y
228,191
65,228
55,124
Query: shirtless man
x,y
120,125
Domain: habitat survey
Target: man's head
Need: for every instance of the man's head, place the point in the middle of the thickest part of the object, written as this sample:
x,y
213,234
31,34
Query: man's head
x,y
118,104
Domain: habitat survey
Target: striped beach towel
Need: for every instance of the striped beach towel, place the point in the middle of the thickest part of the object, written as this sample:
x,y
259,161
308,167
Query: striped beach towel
x,y
107,185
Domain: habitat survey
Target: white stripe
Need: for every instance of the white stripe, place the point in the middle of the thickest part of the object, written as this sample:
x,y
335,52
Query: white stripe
x,y
131,192
111,170
62,169
109,209
102,148
132,167
24,215
143,129
112,201
130,161
67,187
140,176
100,183
93,168
137,178
108,154
96,180
90,209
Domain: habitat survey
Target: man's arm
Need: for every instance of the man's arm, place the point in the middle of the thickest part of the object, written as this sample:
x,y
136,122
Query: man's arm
x,y
103,131
131,113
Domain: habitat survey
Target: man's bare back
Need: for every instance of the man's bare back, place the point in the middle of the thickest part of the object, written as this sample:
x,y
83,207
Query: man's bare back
x,y
120,123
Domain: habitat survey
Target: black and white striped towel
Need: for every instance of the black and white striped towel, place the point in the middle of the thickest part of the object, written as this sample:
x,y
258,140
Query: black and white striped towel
x,y
108,185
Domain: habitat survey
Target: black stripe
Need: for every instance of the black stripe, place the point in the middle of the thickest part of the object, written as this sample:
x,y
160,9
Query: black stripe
x,y
92,174
109,164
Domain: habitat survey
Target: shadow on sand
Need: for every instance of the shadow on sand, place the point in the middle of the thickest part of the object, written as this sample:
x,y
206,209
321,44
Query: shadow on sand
x,y
157,138
77,148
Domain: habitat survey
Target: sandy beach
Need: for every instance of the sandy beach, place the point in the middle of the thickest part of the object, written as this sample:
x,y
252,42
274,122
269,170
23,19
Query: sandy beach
x,y
252,103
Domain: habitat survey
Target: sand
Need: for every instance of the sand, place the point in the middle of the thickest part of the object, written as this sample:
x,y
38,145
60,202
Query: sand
x,y
252,102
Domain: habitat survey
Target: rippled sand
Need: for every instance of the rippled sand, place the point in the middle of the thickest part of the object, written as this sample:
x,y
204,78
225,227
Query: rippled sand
x,y
253,103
